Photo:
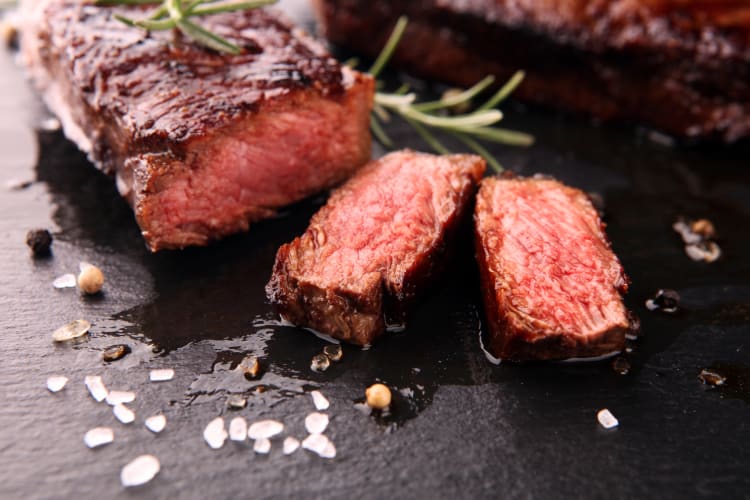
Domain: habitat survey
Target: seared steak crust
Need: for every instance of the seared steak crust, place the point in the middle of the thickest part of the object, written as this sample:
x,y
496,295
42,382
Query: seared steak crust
x,y
372,249
201,143
677,65
550,282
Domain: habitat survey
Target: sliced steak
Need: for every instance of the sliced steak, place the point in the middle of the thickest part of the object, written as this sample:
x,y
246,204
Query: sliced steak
x,y
676,65
375,245
550,282
201,143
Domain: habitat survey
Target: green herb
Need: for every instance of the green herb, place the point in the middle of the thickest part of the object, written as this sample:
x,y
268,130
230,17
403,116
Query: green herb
x,y
427,116
176,14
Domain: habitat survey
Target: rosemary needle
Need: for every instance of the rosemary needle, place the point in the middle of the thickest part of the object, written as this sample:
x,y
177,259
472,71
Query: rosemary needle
x,y
427,116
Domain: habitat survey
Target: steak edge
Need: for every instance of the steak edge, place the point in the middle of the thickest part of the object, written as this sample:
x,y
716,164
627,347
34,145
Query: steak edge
x,y
377,243
681,67
201,143
551,284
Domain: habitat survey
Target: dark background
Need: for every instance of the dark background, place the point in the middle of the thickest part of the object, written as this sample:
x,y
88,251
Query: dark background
x,y
461,427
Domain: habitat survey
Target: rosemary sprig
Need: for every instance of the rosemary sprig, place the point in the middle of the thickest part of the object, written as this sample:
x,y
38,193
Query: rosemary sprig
x,y
175,14
425,117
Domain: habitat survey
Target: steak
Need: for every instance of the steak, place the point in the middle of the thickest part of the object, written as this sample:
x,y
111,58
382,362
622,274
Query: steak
x,y
550,282
200,143
681,66
370,251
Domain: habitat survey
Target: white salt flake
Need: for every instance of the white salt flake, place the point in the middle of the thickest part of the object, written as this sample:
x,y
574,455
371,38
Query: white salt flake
x,y
161,375
290,445
123,413
156,423
320,401
140,471
98,436
72,330
606,419
265,429
56,383
238,429
96,387
320,445
316,423
215,434
262,446
65,281
120,397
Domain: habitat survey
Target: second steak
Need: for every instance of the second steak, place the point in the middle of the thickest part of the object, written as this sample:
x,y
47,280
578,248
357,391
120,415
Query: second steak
x,y
371,249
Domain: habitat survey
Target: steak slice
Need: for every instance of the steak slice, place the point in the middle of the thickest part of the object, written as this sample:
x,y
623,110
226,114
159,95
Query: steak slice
x,y
551,284
676,65
375,245
201,143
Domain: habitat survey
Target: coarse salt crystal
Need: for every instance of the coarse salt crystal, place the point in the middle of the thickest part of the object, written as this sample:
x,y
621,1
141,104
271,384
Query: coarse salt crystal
x,y
161,375
120,397
320,445
56,383
140,471
316,423
215,434
290,445
238,429
96,387
65,281
606,419
123,413
156,423
98,436
265,429
320,401
262,446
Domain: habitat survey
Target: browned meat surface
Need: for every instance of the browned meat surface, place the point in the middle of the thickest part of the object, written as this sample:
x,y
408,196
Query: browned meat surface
x,y
682,66
375,245
201,143
550,282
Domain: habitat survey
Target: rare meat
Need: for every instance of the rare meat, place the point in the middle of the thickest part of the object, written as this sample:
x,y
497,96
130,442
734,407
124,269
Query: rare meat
x,y
677,65
201,143
550,282
375,245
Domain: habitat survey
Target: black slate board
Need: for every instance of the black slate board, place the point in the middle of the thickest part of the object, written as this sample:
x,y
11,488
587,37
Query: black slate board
x,y
461,427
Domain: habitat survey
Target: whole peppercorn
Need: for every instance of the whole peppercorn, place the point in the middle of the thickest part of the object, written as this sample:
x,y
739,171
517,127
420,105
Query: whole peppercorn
x,y
39,240
90,280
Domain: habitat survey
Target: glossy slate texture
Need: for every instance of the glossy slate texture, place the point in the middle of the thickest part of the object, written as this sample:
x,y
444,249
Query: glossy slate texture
x,y
470,429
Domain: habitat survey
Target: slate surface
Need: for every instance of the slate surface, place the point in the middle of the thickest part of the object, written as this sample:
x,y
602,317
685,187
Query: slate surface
x,y
461,428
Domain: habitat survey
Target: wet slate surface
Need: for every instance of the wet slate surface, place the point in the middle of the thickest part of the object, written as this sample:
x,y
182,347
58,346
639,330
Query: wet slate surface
x,y
461,427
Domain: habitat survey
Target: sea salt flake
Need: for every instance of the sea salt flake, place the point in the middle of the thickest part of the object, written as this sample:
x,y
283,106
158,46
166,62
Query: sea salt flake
x,y
290,445
65,281
320,401
98,436
72,330
265,429
123,413
156,423
56,383
316,423
606,419
96,387
262,446
320,445
215,434
140,471
161,375
238,429
120,397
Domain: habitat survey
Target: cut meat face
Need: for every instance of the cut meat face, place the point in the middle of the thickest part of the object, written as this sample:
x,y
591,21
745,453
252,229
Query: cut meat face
x,y
372,249
201,143
681,66
551,284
